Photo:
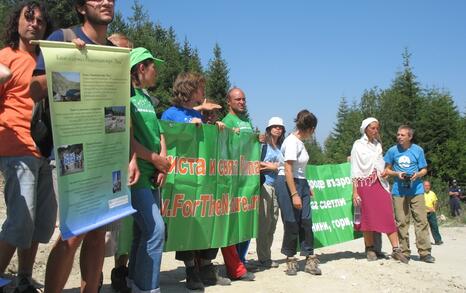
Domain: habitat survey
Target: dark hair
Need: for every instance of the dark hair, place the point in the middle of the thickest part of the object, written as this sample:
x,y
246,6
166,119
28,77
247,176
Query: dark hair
x,y
268,136
11,36
79,3
305,120
185,86
134,70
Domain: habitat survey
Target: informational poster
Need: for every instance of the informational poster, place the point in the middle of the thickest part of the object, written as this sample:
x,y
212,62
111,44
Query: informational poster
x,y
211,196
89,92
332,204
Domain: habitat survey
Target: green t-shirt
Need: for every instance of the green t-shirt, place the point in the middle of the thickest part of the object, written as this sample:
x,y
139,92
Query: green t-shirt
x,y
146,130
235,121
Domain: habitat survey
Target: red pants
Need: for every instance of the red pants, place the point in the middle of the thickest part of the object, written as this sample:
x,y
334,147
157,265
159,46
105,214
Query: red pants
x,y
234,265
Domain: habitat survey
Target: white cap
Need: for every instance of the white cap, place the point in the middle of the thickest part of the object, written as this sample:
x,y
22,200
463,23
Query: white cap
x,y
275,121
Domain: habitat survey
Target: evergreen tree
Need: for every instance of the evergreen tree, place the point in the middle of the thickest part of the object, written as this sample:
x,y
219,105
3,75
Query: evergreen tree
x,y
217,79
118,25
338,145
190,58
316,155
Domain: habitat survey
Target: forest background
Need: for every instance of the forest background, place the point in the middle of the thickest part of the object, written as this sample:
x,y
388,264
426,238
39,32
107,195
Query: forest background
x,y
439,125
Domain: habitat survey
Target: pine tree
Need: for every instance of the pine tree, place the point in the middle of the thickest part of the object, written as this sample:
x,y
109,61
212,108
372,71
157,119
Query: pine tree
x,y
118,25
217,79
338,145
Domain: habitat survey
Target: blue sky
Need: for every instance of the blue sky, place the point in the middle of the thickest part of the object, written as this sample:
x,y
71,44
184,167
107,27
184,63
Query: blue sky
x,y
292,55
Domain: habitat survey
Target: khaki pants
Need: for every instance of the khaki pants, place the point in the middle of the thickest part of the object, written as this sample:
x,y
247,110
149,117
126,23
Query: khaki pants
x,y
413,207
268,217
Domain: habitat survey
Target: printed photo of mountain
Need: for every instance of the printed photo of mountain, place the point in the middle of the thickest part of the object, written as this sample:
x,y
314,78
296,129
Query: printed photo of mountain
x,y
66,86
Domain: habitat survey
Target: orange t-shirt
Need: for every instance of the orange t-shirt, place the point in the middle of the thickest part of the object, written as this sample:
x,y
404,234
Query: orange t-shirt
x,y
16,105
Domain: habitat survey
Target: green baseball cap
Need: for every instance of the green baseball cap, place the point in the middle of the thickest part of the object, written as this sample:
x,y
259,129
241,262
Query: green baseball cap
x,y
140,54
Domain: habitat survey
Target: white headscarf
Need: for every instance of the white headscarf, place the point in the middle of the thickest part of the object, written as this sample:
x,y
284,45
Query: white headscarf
x,y
367,156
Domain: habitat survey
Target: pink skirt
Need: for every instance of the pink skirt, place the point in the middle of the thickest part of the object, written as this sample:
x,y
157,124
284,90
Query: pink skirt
x,y
376,208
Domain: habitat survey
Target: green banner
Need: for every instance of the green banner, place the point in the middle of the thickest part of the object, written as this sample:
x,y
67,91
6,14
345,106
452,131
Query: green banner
x,y
88,93
332,204
211,196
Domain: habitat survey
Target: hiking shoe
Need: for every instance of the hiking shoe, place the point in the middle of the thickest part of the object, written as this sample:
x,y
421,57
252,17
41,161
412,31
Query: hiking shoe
x,y
381,255
250,266
268,264
193,281
370,254
312,265
246,277
209,276
427,258
118,279
398,255
291,266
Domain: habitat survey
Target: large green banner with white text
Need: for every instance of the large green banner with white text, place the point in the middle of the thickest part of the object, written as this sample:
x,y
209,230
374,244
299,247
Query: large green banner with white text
x,y
211,196
332,204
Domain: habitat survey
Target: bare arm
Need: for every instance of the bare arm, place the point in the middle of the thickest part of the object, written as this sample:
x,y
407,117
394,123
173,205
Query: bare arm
x,y
160,179
419,174
388,171
356,198
295,198
269,166
5,74
160,163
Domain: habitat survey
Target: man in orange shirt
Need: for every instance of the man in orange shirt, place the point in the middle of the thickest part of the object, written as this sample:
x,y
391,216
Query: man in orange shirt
x,y
29,196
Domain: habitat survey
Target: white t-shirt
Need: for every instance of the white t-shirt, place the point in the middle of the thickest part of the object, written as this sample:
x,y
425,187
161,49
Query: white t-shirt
x,y
293,150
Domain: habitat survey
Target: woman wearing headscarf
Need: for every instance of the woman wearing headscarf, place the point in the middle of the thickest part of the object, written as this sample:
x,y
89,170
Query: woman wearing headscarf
x,y
371,190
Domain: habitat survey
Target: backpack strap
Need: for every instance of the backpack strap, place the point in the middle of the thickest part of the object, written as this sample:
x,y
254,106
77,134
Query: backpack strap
x,y
263,151
68,34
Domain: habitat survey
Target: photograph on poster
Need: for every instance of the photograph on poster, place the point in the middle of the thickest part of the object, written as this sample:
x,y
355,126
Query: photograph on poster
x,y
114,119
71,159
66,86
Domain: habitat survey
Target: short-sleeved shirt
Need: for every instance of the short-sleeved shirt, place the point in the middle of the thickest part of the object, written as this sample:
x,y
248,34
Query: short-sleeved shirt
x,y
409,160
59,37
293,149
454,189
273,155
16,105
146,131
180,114
431,199
235,121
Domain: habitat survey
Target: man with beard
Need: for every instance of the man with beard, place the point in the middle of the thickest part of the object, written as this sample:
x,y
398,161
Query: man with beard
x,y
29,197
95,16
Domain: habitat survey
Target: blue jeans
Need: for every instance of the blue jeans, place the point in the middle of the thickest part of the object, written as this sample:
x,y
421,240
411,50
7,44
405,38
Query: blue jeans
x,y
297,223
148,240
432,219
242,249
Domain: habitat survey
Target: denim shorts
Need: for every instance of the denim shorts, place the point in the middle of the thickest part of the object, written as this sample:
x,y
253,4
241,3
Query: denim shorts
x,y
30,200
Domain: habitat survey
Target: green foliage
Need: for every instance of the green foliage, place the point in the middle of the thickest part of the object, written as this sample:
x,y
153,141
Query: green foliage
x,y
316,155
162,42
338,144
439,126
217,79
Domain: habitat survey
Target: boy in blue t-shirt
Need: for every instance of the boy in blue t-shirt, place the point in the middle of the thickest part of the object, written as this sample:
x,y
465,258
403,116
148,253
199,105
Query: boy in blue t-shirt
x,y
407,163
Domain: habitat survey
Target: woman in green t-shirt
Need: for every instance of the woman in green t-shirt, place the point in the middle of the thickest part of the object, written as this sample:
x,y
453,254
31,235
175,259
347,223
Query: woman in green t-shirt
x,y
149,145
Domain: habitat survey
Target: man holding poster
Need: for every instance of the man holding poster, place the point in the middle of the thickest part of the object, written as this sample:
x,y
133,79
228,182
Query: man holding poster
x,y
234,255
95,16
